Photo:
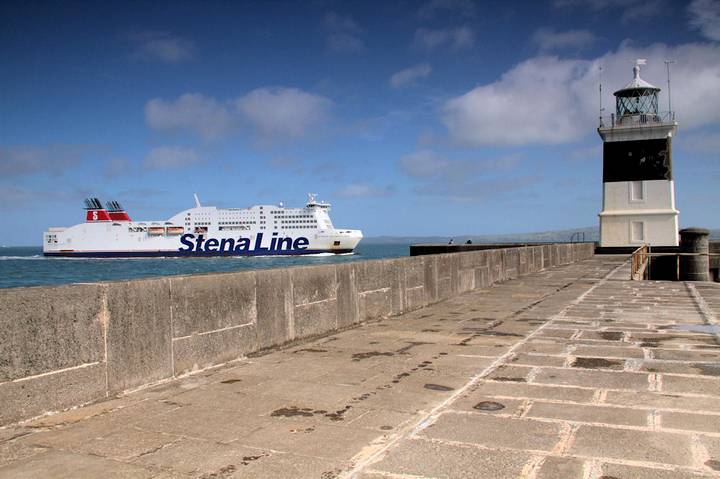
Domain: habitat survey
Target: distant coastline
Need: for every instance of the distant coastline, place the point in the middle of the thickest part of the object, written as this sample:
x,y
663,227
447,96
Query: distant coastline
x,y
575,234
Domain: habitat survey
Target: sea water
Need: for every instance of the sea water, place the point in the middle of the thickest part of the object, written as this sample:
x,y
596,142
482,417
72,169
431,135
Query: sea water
x,y
26,266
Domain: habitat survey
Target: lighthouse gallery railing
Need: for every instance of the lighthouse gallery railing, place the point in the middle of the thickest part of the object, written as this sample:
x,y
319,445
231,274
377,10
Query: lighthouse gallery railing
x,y
636,120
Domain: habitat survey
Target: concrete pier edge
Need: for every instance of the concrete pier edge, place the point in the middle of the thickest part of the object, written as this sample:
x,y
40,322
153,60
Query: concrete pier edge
x,y
65,346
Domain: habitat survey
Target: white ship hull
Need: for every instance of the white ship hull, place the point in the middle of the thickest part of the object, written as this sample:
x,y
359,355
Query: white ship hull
x,y
263,230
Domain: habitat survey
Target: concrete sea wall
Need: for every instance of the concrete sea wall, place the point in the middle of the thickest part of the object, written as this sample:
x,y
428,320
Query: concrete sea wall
x,y
63,346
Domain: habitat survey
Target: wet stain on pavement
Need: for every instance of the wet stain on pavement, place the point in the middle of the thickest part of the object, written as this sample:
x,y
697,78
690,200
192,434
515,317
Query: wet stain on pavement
x,y
438,387
410,345
221,473
248,459
611,335
713,464
339,414
310,350
489,406
292,411
307,430
707,369
591,363
500,333
371,354
231,381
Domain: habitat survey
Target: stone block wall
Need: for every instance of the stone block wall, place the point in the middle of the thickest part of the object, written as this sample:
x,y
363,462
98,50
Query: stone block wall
x,y
62,346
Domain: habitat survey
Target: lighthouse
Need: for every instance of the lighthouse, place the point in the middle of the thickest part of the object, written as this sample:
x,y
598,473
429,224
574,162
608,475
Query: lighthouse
x,y
638,190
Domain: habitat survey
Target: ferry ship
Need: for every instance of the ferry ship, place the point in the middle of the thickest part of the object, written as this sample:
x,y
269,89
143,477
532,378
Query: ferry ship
x,y
261,230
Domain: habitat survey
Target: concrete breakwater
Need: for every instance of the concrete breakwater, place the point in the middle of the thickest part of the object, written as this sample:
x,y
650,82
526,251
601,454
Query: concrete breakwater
x,y
63,346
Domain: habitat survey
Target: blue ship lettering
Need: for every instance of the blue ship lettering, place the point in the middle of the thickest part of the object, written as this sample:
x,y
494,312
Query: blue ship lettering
x,y
242,245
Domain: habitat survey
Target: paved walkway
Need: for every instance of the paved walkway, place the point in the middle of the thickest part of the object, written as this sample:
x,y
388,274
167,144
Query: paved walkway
x,y
571,372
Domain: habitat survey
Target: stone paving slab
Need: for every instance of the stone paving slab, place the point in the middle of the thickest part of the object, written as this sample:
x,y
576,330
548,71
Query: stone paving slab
x,y
570,372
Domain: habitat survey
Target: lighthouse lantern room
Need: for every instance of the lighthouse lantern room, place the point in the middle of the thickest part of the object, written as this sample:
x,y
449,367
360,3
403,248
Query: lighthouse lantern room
x,y
638,191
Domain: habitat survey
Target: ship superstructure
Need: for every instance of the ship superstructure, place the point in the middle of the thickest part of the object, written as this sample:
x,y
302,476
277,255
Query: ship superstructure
x,y
260,230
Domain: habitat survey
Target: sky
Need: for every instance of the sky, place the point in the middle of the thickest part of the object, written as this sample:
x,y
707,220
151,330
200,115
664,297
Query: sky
x,y
437,117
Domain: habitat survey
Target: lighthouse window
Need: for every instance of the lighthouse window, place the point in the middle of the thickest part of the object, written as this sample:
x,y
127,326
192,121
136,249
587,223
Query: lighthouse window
x,y
637,190
637,231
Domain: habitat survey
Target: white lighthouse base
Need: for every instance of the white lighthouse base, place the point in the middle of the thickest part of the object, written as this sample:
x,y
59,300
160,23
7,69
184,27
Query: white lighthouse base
x,y
638,212
635,228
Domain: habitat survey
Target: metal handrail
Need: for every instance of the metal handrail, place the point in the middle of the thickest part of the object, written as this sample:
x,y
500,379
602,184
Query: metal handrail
x,y
682,254
639,263
638,119
580,237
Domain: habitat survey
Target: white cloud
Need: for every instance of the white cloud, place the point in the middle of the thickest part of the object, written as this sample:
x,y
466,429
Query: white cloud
x,y
423,164
358,190
632,10
118,167
548,39
343,34
191,111
455,38
427,164
170,157
702,141
409,75
161,46
462,7
50,159
283,112
477,189
705,16
461,179
13,197
549,100
531,103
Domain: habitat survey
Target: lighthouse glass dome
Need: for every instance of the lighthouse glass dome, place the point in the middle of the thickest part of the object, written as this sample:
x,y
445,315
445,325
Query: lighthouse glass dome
x,y
637,97
636,101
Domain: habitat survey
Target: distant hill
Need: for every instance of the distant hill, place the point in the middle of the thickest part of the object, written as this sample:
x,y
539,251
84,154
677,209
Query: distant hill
x,y
577,234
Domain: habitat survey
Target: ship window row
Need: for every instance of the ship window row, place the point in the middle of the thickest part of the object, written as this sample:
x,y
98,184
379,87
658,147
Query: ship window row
x,y
233,228
285,211
237,222
294,216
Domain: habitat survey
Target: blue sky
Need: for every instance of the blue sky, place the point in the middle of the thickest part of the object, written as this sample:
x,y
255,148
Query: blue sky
x,y
413,118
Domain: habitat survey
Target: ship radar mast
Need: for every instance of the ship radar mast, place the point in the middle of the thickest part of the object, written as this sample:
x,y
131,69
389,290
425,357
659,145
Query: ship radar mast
x,y
313,203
